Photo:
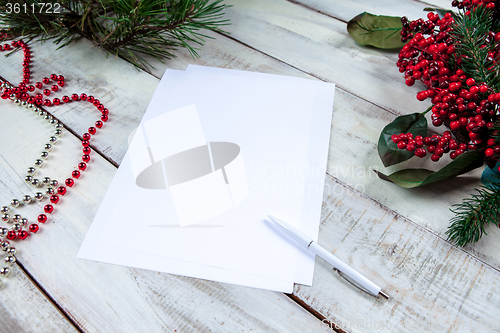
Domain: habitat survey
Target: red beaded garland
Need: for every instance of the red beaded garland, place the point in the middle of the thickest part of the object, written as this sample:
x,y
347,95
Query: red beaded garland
x,y
22,234
82,166
34,228
75,174
48,209
92,130
86,158
61,190
69,182
42,218
54,199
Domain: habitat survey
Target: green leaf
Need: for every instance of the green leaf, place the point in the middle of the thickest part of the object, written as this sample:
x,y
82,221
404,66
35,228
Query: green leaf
x,y
410,178
379,31
388,151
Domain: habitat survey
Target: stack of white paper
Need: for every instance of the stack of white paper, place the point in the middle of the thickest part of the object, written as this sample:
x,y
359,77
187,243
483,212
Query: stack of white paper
x,y
216,152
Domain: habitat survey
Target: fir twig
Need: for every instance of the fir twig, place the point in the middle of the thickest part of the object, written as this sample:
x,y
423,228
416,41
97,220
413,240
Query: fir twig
x,y
134,30
474,214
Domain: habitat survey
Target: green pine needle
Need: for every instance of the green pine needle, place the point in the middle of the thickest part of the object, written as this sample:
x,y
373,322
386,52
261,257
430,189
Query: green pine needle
x,y
474,214
137,31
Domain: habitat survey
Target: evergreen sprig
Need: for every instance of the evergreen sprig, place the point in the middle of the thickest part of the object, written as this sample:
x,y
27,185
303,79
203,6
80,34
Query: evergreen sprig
x,y
132,29
469,34
474,214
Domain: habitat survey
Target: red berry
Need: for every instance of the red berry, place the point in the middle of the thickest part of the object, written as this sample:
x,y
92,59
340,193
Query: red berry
x,y
435,157
455,125
489,152
401,144
470,82
422,95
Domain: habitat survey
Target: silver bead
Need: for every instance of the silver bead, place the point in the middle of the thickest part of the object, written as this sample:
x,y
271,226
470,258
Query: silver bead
x,y
28,179
30,106
36,109
3,232
53,121
12,96
5,217
5,244
5,271
10,250
17,227
53,140
58,132
31,171
38,196
54,183
42,113
48,147
39,163
24,222
24,103
48,117
15,203
35,182
49,191
46,180
17,217
17,101
5,209
10,260
27,199
44,155
59,125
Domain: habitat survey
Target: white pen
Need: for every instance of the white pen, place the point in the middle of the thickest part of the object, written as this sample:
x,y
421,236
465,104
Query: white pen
x,y
347,272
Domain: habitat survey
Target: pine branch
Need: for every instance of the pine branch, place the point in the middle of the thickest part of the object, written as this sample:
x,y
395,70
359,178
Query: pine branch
x,y
469,35
135,30
474,214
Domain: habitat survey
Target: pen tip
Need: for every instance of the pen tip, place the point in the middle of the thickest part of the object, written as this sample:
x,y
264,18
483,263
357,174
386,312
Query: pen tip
x,y
384,295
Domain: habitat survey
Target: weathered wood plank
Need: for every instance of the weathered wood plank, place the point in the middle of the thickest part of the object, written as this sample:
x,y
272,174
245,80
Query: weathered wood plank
x,y
101,297
434,287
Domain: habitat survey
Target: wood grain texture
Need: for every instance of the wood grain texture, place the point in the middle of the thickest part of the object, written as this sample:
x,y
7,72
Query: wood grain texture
x,y
433,286
394,236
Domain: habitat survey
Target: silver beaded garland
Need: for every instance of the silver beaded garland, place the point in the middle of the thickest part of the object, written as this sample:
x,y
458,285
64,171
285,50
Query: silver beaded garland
x,y
38,196
15,203
5,209
27,199
5,217
17,217
35,182
44,155
5,271
28,179
46,180
10,259
39,162
11,250
53,140
54,183
48,147
31,171
49,191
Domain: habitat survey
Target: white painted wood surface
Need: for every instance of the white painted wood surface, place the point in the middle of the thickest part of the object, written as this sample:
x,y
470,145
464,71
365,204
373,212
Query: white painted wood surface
x,y
395,236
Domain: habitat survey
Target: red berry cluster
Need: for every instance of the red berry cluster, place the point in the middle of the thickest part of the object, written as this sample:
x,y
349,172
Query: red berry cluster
x,y
468,108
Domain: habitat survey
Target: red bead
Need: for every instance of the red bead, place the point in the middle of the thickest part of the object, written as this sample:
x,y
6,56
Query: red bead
x,y
46,92
53,77
104,118
75,97
60,83
34,228
96,102
48,209
47,102
85,143
60,78
92,130
82,166
11,235
83,97
42,218
105,111
61,190
56,101
86,150
75,174
31,88
6,47
22,234
98,124
69,182
66,99
86,158
100,107
90,99
45,80
55,87
86,136
54,199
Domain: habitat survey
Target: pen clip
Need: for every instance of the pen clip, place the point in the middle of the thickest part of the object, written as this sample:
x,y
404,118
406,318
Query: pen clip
x,y
351,281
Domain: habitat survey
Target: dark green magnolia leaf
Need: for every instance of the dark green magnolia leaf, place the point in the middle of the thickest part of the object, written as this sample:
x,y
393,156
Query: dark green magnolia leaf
x,y
410,178
388,151
379,31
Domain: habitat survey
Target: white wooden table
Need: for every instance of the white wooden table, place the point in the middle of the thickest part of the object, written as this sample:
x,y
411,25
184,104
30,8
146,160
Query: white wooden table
x,y
395,236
